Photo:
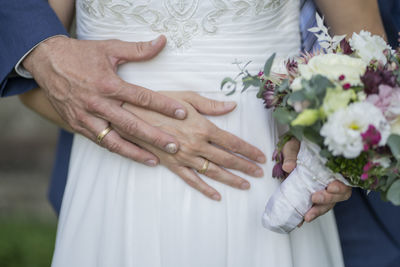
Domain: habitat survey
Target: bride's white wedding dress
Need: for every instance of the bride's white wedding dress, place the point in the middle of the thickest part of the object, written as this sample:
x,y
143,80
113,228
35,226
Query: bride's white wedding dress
x,y
119,213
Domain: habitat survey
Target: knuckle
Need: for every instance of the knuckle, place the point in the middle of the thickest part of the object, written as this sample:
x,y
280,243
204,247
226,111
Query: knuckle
x,y
107,86
131,127
140,49
144,98
347,196
93,104
193,183
113,147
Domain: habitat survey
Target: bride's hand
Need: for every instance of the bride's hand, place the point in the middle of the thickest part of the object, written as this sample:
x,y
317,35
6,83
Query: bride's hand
x,y
323,200
201,140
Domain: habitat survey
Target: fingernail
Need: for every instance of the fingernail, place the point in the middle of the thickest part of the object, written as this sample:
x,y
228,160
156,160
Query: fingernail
x,y
216,197
171,148
261,159
245,186
180,114
155,41
259,173
229,104
151,163
334,189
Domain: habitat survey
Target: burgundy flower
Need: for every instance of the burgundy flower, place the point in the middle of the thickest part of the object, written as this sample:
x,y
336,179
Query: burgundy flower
x,y
372,79
277,171
342,77
346,48
292,67
346,86
371,137
270,98
277,156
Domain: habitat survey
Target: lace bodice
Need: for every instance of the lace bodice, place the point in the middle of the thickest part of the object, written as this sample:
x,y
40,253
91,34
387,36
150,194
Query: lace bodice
x,y
180,20
204,36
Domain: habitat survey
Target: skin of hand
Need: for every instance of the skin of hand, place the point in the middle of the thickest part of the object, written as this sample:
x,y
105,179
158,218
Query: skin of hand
x,y
195,133
79,78
200,139
323,200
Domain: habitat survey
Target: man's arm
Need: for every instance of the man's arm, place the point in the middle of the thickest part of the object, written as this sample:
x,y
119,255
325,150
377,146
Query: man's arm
x,y
23,24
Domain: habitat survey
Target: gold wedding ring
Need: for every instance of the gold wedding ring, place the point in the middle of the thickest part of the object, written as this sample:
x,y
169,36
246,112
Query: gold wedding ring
x,y
205,167
103,134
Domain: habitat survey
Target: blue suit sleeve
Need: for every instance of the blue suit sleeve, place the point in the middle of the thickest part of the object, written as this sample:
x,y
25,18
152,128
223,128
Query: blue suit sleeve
x,y
23,24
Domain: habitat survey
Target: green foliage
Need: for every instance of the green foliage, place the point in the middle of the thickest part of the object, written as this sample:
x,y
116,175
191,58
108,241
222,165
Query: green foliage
x,y
393,194
394,144
268,65
352,169
249,81
230,83
26,243
314,90
284,116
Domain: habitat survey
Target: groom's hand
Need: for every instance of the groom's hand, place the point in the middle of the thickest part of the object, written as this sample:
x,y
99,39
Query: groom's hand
x,y
323,200
79,78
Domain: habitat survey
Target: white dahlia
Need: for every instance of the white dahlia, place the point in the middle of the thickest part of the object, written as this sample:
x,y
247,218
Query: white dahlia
x,y
342,131
369,47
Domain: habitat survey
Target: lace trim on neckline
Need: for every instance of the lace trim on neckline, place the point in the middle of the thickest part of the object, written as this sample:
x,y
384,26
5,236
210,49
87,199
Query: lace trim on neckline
x,y
177,19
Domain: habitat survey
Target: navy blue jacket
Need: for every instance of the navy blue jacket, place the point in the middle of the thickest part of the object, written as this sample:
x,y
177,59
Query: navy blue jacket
x,y
23,24
370,228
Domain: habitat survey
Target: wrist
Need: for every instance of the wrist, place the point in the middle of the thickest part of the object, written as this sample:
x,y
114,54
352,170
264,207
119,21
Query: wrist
x,y
41,51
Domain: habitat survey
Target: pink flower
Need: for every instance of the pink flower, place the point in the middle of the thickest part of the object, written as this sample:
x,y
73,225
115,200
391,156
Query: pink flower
x,y
364,176
371,137
387,100
367,166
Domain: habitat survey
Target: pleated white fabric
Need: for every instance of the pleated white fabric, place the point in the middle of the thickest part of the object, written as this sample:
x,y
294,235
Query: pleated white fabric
x,y
116,212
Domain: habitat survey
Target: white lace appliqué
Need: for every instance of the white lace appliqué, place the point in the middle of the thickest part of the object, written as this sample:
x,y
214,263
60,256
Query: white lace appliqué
x,y
176,18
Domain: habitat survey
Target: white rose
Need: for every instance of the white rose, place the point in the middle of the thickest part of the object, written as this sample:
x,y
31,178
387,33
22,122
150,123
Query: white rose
x,y
343,129
333,66
369,47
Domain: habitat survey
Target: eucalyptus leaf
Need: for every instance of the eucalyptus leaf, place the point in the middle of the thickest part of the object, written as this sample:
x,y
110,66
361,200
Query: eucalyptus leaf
x,y
297,96
297,131
393,194
268,65
284,86
394,144
227,80
250,81
313,135
283,115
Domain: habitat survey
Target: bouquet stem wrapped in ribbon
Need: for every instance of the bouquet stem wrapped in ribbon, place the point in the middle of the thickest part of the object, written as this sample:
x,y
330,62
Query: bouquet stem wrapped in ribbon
x,y
286,208
343,104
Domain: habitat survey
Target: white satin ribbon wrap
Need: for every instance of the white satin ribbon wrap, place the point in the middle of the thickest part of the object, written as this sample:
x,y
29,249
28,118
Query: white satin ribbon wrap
x,y
286,208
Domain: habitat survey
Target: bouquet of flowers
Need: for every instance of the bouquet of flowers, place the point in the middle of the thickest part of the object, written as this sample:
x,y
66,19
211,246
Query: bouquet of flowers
x,y
343,104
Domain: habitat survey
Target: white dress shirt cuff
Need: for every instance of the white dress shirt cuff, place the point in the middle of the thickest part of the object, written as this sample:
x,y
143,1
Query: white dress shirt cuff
x,y
20,70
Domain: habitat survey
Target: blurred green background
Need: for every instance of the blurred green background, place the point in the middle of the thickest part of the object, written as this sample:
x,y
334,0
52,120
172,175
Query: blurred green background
x,y
27,222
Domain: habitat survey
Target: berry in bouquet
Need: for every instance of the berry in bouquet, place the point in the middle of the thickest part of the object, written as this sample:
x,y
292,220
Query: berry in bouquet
x,y
343,103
